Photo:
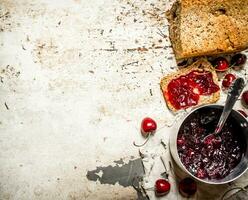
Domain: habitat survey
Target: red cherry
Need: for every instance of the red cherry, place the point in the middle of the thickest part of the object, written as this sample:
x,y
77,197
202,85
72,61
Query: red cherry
x,y
243,113
187,187
228,79
221,64
245,98
148,125
162,187
238,59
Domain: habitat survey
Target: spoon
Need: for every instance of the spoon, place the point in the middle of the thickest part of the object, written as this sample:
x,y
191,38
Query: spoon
x,y
232,96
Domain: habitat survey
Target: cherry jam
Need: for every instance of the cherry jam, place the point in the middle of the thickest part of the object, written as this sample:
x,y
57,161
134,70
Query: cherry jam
x,y
185,91
213,157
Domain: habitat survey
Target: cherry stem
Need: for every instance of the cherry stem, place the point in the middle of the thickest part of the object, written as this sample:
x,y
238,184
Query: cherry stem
x,y
136,180
163,163
135,187
149,189
164,174
144,190
229,67
164,145
140,188
233,65
140,145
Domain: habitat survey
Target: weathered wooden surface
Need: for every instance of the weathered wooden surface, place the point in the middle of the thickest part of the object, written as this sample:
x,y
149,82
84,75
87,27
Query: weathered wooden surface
x,y
76,78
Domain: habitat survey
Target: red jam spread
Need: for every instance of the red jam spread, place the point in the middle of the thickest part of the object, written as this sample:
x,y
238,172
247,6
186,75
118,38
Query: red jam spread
x,y
185,91
212,157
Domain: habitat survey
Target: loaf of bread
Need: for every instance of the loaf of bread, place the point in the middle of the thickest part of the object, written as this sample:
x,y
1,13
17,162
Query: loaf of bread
x,y
208,27
201,67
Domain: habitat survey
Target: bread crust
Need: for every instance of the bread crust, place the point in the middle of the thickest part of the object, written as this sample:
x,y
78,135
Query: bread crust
x,y
207,27
202,65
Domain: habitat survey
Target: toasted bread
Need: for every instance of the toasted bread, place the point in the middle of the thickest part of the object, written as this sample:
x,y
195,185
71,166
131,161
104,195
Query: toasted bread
x,y
200,65
207,27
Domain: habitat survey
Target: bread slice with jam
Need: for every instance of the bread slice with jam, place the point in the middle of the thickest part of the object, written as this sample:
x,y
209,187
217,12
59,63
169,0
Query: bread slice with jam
x,y
194,85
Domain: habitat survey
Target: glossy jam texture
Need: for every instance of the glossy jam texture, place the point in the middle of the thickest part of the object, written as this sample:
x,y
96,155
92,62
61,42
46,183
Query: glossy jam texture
x,y
213,157
185,91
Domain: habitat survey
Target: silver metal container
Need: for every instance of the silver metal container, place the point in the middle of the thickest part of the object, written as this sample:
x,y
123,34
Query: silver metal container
x,y
238,170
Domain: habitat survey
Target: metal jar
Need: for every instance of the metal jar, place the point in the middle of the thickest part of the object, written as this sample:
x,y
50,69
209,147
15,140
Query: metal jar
x,y
238,170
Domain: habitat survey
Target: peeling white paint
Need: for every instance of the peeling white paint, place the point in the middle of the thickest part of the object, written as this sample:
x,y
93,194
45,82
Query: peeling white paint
x,y
86,71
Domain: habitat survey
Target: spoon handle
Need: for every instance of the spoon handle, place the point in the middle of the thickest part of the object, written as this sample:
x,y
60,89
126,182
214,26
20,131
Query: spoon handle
x,y
232,96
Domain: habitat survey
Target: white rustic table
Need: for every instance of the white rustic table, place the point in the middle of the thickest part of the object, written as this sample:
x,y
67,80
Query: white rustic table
x,y
76,79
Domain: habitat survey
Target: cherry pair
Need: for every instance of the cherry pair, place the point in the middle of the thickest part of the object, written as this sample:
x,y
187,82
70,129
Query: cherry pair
x,y
187,187
221,64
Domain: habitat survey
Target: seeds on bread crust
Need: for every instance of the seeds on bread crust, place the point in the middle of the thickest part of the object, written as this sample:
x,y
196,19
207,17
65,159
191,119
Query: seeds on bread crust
x,y
207,27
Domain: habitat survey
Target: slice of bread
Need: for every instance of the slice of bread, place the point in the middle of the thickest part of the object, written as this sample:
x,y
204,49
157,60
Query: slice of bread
x,y
201,65
208,27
